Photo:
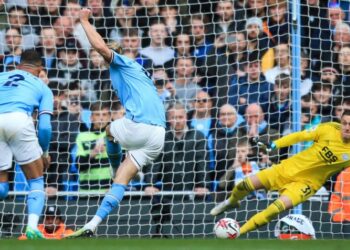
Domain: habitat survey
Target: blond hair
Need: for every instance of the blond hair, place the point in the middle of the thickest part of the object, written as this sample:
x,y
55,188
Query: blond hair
x,y
115,46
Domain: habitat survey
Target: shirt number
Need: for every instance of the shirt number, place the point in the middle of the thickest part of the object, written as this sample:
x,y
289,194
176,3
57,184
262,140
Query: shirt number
x,y
13,80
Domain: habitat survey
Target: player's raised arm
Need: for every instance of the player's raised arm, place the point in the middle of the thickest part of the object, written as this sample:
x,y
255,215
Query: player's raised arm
x,y
94,37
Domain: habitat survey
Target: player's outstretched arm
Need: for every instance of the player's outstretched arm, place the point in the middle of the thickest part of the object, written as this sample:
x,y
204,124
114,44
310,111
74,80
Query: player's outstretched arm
x,y
94,37
296,137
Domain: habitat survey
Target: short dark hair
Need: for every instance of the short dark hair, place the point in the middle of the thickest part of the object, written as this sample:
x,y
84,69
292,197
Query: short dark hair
x,y
130,32
346,112
97,106
31,57
283,80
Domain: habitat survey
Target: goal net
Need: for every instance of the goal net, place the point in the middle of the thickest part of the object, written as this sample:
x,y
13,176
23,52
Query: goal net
x,y
224,72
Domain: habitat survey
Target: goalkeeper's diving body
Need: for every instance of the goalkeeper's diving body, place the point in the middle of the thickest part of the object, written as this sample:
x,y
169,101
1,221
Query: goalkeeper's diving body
x,y
141,132
299,177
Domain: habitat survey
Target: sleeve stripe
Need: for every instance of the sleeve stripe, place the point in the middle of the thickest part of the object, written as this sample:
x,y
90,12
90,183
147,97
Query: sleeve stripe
x,y
45,112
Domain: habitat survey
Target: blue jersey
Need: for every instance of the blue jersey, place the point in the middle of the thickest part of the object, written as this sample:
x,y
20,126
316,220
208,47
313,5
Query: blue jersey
x,y
136,91
21,91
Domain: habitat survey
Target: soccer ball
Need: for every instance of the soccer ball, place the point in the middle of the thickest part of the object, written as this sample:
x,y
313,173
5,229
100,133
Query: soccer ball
x,y
227,228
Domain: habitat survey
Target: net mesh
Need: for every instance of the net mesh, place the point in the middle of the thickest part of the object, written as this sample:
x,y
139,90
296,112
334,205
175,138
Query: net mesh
x,y
227,63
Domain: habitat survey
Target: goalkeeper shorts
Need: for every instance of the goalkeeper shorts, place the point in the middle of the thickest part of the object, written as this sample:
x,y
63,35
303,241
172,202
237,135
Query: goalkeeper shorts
x,y
297,191
143,141
17,138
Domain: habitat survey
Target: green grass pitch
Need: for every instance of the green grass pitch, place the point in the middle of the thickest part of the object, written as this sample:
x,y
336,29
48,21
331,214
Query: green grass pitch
x,y
173,244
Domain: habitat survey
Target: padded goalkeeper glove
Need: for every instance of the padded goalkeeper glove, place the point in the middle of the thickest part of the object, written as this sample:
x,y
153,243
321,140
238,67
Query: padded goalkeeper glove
x,y
267,147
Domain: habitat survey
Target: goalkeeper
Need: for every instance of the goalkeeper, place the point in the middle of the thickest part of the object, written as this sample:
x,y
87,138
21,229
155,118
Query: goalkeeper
x,y
299,177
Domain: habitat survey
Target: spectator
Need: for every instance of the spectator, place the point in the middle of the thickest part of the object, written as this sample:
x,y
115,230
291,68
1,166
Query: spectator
x,y
147,14
181,167
171,17
13,41
65,128
184,86
158,51
341,36
306,75
47,48
51,11
125,14
322,95
329,74
183,47
344,65
257,127
18,19
259,42
200,117
279,105
53,226
335,15
228,19
339,107
315,33
64,29
131,48
202,43
256,8
92,159
252,88
164,87
282,62
102,18
241,168
225,135
98,78
117,111
33,13
72,11
69,68
339,204
278,21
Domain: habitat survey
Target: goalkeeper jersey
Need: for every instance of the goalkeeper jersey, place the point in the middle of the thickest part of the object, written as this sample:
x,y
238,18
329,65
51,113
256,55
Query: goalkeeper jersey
x,y
327,156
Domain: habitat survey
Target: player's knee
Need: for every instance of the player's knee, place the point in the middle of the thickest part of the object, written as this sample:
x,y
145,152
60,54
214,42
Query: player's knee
x,y
245,185
4,190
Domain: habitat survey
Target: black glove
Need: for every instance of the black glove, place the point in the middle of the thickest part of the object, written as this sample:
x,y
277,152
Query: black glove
x,y
267,147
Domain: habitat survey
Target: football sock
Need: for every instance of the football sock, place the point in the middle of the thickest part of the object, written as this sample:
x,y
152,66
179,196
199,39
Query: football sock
x,y
241,190
4,190
109,202
263,217
114,152
35,201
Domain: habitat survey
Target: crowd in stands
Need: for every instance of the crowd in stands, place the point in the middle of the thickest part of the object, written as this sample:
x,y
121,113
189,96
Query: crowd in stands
x,y
222,69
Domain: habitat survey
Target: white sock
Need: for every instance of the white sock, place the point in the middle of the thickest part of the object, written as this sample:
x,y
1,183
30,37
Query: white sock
x,y
93,223
33,220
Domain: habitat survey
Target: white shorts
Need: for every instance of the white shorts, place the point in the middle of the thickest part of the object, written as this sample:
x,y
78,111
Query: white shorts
x,y
17,138
144,142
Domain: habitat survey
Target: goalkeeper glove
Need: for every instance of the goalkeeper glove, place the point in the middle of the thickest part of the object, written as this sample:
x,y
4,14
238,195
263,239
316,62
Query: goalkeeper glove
x,y
267,147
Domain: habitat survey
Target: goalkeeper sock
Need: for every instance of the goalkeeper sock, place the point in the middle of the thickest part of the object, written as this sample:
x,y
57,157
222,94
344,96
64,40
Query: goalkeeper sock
x,y
109,202
4,190
263,217
240,191
114,152
35,201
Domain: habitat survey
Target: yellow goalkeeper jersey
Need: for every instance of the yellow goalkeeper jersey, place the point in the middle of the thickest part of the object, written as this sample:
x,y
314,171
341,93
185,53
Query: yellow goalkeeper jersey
x,y
327,156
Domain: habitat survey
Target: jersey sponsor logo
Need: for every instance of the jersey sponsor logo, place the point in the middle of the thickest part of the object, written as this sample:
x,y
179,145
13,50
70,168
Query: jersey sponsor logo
x,y
328,155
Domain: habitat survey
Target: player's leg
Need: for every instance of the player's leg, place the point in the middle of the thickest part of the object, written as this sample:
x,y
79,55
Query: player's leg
x,y
27,153
150,140
114,151
281,204
240,191
5,164
292,194
36,197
